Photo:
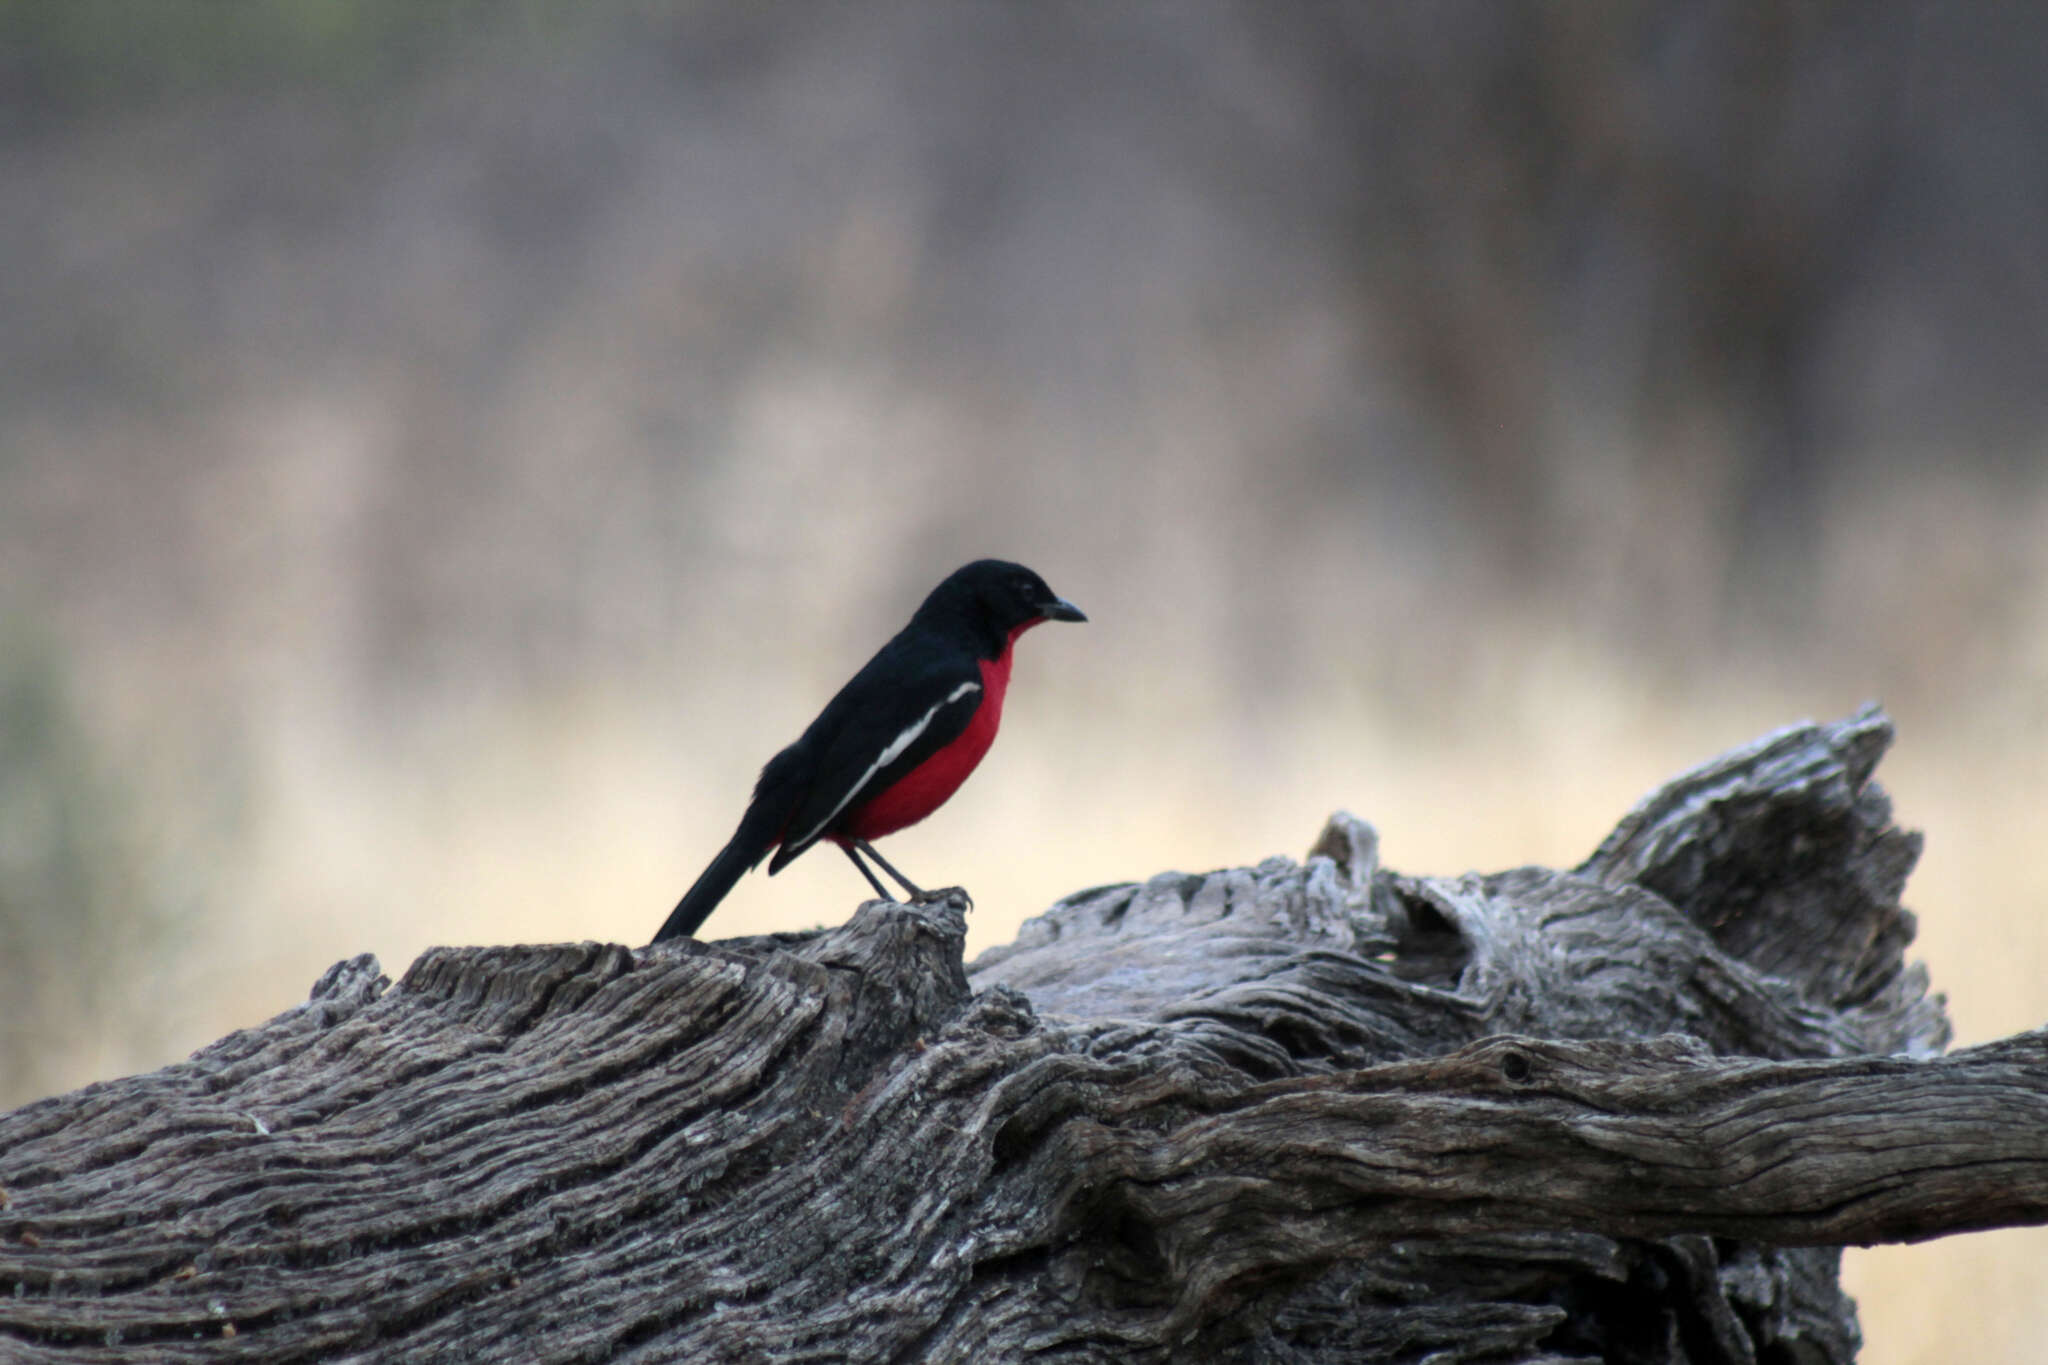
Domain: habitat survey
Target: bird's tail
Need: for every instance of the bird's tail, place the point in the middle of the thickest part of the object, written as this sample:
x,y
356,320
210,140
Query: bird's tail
x,y
712,884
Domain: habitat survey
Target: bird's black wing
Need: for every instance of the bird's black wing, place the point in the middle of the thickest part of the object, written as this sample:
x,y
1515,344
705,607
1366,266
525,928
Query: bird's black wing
x,y
915,697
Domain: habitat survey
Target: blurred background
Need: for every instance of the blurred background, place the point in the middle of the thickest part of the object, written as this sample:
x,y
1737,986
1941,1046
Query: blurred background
x,y
446,447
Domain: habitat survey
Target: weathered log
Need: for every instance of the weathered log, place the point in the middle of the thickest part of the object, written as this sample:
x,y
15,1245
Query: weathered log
x,y
1292,1112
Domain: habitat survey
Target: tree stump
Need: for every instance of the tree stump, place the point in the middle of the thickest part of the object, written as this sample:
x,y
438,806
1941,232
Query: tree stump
x,y
1293,1112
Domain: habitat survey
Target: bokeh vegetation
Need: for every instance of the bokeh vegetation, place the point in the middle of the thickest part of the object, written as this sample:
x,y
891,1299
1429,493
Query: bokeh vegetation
x,y
83,927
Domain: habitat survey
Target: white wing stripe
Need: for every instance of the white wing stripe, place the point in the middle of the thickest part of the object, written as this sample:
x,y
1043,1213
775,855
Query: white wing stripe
x,y
888,756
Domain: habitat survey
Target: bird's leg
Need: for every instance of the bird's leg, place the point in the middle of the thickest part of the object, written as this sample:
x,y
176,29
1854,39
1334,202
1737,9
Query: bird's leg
x,y
918,895
866,871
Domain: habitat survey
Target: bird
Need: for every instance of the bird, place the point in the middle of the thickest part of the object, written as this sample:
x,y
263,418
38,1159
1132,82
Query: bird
x,y
894,743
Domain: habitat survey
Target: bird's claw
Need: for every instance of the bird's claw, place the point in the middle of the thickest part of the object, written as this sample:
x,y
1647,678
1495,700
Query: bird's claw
x,y
939,895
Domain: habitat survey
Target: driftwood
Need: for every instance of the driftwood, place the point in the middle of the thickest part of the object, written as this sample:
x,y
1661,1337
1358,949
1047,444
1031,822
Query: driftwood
x,y
1309,1112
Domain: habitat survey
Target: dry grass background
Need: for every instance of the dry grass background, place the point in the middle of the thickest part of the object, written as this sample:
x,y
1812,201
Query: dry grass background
x,y
443,451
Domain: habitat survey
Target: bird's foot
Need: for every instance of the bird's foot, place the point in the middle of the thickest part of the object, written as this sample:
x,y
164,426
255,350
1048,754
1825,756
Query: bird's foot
x,y
940,895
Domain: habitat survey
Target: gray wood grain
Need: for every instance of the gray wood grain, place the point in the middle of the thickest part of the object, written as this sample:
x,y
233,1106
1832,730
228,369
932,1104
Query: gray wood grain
x,y
1294,1112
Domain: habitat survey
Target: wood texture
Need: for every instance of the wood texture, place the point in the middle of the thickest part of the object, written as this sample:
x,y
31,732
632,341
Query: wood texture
x,y
1295,1112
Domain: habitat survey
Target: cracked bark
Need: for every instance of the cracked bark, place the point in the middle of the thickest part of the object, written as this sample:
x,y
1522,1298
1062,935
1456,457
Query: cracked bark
x,y
1295,1112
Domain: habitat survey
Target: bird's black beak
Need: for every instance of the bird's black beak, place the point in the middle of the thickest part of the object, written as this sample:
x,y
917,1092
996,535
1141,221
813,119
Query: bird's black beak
x,y
1060,609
